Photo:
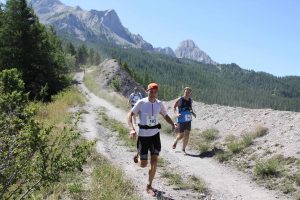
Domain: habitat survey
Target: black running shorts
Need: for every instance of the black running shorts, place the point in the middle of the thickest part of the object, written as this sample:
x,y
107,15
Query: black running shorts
x,y
184,126
146,144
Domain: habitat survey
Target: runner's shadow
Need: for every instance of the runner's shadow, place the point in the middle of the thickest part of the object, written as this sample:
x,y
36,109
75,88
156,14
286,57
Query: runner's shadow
x,y
206,154
161,195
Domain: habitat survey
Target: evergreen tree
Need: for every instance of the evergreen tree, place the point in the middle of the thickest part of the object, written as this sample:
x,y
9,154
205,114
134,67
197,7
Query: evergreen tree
x,y
82,54
97,58
70,49
34,50
91,56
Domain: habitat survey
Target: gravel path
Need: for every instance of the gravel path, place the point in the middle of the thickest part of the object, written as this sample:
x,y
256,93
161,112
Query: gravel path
x,y
223,182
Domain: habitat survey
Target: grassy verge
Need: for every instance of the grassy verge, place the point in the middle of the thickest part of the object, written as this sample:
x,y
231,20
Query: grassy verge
x,y
91,83
117,127
108,182
56,114
99,178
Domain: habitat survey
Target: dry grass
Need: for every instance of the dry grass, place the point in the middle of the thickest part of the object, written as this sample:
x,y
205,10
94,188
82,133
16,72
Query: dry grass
x,y
260,131
203,141
114,98
56,112
270,167
210,134
108,182
191,183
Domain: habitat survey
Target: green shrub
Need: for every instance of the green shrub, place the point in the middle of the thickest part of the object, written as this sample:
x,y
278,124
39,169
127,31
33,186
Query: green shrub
x,y
247,140
235,146
75,189
204,147
116,83
197,185
223,156
270,167
210,134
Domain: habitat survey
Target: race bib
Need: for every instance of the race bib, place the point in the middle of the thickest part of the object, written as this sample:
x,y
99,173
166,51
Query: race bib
x,y
188,117
185,116
152,120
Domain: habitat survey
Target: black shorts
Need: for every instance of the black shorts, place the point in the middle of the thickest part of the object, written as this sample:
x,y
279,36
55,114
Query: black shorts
x,y
185,126
146,144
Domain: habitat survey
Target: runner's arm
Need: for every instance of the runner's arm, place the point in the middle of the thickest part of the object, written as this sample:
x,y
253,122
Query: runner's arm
x,y
175,108
192,110
130,124
170,121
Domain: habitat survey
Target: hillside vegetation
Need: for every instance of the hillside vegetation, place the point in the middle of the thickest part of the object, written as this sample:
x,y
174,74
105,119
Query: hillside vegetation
x,y
225,84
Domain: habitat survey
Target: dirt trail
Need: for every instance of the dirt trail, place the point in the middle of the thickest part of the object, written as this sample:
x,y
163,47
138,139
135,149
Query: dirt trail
x,y
224,183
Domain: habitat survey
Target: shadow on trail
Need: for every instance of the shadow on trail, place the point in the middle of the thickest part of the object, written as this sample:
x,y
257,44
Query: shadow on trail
x,y
206,154
161,195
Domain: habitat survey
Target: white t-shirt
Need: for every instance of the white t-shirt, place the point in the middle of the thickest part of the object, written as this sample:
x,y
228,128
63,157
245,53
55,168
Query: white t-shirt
x,y
148,114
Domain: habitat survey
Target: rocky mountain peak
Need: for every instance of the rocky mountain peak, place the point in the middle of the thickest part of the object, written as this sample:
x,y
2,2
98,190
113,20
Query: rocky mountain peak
x,y
45,2
188,49
85,25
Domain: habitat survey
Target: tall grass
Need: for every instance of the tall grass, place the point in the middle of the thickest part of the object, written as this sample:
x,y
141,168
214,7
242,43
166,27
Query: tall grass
x,y
203,141
108,182
56,112
270,167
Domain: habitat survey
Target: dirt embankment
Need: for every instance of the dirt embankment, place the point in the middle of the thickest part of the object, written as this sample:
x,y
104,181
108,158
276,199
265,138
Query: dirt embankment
x,y
110,74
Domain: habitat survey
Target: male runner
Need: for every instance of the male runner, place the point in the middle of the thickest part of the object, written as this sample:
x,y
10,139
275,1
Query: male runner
x,y
148,110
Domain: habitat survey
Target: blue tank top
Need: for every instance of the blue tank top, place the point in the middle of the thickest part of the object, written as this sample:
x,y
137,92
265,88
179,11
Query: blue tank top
x,y
184,108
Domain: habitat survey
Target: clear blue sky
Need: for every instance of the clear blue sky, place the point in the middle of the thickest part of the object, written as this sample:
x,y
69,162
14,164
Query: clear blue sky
x,y
263,35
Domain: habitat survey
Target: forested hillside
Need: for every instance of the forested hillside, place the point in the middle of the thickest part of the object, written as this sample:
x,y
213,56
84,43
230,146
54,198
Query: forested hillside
x,y
225,84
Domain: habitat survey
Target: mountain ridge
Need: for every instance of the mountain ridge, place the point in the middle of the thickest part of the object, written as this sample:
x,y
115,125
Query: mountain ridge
x,y
87,25
105,25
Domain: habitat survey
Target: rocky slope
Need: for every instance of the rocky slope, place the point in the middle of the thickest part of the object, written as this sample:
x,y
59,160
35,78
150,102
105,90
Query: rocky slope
x,y
84,25
189,50
106,26
110,70
167,51
283,136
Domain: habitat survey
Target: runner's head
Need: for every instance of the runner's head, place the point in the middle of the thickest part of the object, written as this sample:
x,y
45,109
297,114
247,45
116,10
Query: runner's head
x,y
135,89
187,92
152,90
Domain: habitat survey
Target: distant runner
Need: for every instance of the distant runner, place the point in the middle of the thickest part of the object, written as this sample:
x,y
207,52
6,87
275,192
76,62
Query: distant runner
x,y
184,118
133,98
148,110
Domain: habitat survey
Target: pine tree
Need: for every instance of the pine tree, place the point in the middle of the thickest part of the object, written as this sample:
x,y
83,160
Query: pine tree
x,y
70,49
91,56
82,54
34,50
97,58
